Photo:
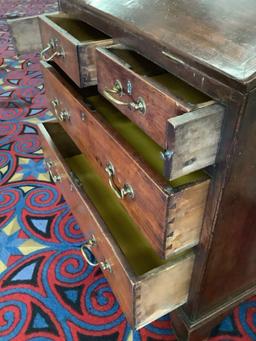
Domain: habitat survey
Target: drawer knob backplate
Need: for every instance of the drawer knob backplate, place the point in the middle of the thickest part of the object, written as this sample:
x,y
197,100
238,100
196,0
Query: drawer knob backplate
x,y
49,166
63,115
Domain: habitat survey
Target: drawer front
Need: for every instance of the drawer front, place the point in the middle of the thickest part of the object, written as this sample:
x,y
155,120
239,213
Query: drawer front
x,y
65,48
170,221
75,55
190,133
142,298
90,223
150,203
158,106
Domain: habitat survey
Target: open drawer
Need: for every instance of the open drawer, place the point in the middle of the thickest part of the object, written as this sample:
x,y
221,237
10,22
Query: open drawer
x,y
145,286
68,42
184,121
169,213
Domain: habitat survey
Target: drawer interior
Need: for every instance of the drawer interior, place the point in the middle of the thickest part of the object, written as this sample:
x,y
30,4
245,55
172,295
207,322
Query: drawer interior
x,y
139,254
77,28
144,146
159,76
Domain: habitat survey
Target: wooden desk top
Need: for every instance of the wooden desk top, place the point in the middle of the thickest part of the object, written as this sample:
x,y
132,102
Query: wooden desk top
x,y
219,35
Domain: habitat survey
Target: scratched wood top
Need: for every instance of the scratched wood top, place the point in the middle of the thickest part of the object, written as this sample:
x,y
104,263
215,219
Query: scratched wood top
x,y
219,35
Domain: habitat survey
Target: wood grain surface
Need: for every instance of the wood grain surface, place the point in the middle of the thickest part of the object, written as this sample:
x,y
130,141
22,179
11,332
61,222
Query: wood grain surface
x,y
150,207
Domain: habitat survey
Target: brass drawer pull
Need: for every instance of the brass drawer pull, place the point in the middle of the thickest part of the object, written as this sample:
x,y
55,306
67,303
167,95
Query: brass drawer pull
x,y
139,105
55,177
88,246
121,193
54,46
63,115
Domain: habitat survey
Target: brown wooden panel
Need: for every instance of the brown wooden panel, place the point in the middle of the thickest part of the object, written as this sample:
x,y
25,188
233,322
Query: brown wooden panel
x,y
194,139
78,59
150,207
69,62
100,143
161,291
120,279
213,37
26,34
185,217
131,291
232,251
87,57
160,106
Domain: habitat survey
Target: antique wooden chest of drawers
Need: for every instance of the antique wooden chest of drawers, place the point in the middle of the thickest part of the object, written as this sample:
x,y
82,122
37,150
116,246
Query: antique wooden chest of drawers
x,y
153,148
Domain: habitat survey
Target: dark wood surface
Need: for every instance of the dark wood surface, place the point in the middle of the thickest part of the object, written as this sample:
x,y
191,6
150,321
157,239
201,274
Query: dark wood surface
x,y
171,222
157,100
121,280
78,60
218,37
193,137
142,298
227,242
231,264
69,62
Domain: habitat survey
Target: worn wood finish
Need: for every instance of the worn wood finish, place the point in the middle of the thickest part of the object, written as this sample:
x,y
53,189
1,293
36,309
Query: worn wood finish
x,y
194,139
110,68
88,219
154,208
184,214
212,37
162,93
78,57
132,291
26,34
235,222
226,234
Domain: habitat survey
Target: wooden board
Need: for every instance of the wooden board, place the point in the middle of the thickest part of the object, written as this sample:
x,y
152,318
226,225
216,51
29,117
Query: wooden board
x,y
150,206
26,34
132,291
217,37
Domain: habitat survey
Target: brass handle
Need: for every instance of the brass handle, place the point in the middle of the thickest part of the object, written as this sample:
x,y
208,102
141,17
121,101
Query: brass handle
x,y
48,163
54,46
121,193
55,177
55,103
88,246
139,105
63,115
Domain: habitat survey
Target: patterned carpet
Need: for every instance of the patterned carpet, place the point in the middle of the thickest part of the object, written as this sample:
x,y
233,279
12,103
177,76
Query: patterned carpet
x,y
47,291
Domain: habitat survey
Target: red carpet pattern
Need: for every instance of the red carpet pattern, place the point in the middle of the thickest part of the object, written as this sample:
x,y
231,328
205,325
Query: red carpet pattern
x,y
47,291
